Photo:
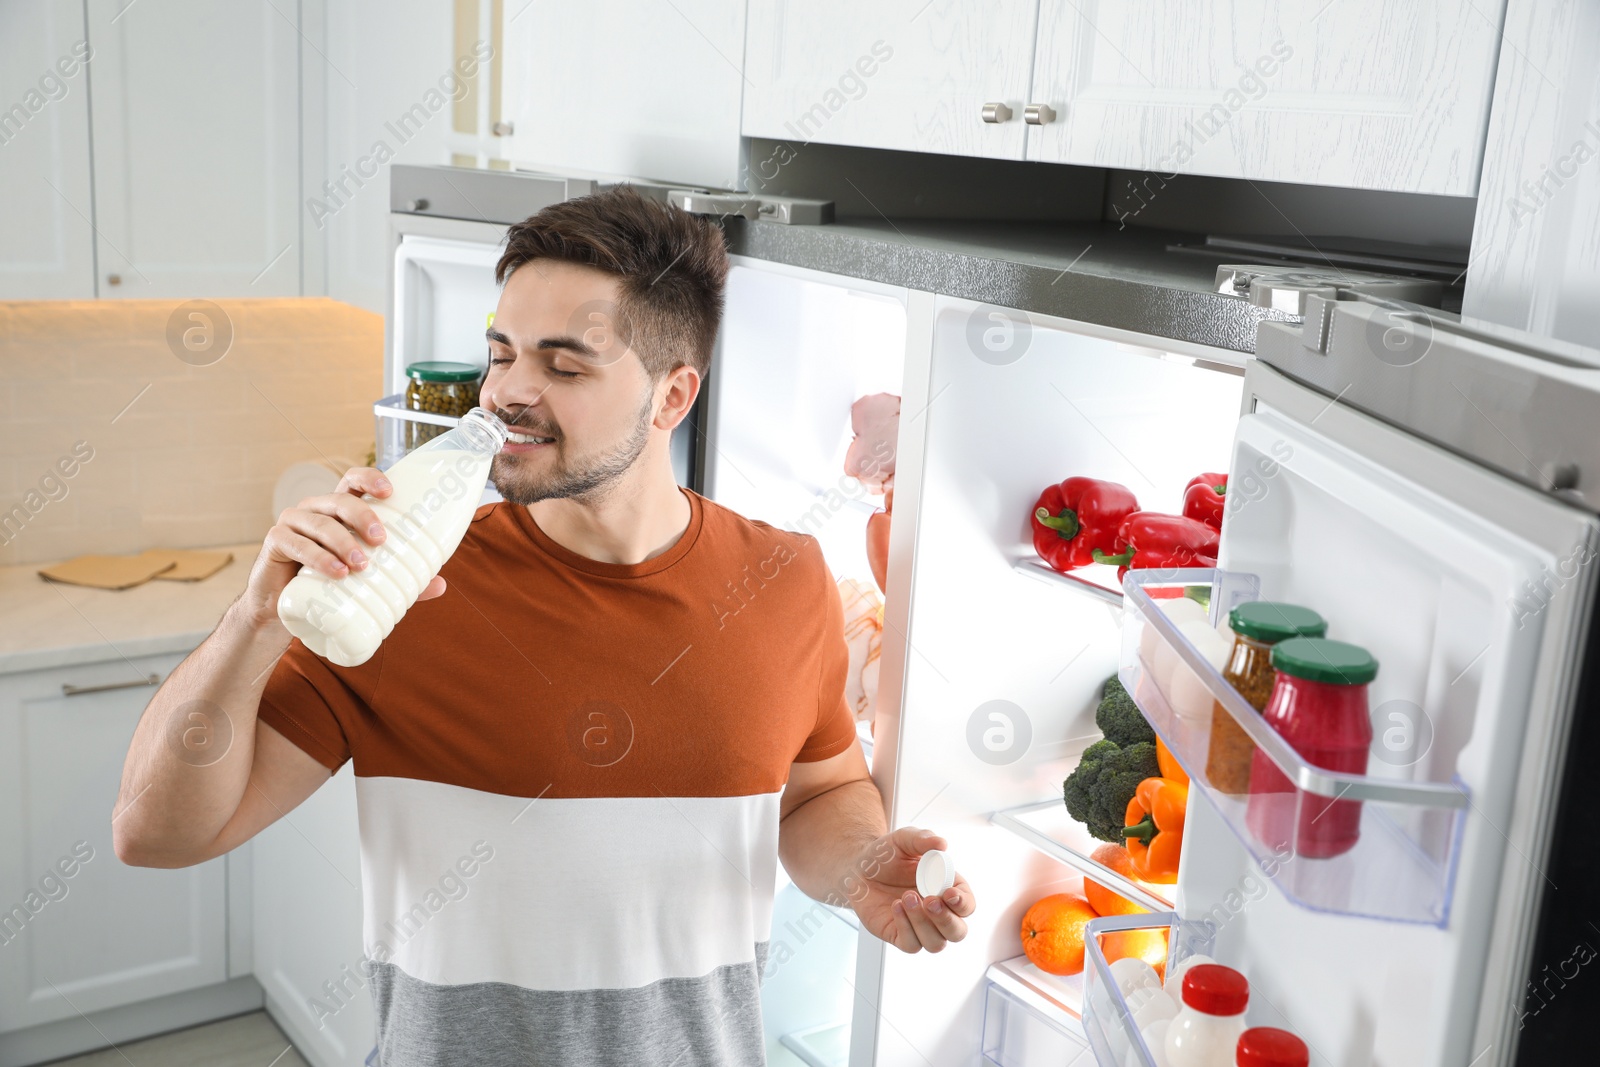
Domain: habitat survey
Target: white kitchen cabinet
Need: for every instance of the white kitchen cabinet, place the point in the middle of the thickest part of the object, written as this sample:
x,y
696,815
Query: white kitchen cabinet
x,y
105,934
47,242
308,944
196,148
1374,94
623,89
909,74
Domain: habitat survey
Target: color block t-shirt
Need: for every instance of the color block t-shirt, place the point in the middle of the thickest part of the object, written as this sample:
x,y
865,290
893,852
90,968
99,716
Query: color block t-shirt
x,y
568,775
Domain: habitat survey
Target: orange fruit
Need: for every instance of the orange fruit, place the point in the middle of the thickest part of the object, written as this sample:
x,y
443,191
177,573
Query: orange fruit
x,y
1147,945
1103,900
1052,933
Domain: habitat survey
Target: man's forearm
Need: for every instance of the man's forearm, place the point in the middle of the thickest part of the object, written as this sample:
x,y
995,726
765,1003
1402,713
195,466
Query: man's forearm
x,y
824,842
190,757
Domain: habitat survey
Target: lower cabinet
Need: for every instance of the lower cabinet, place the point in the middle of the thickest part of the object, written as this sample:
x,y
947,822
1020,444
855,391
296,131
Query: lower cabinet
x,y
81,932
307,914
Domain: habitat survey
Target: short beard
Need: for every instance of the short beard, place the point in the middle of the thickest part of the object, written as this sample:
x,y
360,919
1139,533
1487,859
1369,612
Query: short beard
x,y
590,482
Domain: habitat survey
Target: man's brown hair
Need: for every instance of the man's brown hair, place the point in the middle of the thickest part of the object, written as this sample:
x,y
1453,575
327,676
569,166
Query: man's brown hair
x,y
671,268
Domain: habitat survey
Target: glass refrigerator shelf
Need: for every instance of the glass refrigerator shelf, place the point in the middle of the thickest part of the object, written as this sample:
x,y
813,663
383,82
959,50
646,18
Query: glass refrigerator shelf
x,y
1047,827
1034,567
1032,1017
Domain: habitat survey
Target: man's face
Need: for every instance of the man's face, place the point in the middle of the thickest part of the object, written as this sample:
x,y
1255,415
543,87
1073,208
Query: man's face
x,y
561,371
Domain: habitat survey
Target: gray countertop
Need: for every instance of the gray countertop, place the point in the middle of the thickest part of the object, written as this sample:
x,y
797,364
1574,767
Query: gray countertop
x,y
1092,272
49,624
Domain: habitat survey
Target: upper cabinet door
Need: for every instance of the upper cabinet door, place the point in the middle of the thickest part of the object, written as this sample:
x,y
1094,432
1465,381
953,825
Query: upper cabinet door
x,y
196,147
610,88
904,74
46,242
1373,94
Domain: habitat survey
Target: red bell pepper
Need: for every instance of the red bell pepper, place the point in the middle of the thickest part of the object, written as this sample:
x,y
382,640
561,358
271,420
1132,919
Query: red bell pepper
x,y
1078,518
1148,540
1204,497
878,541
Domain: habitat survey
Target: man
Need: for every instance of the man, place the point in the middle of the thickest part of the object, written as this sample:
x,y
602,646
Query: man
x,y
573,726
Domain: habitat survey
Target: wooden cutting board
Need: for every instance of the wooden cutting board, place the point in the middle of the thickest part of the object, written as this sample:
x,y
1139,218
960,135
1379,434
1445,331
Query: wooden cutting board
x,y
125,572
190,564
108,572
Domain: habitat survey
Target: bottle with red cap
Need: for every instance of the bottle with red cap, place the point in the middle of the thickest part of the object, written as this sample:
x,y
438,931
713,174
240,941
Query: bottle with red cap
x,y
1206,1030
1267,1046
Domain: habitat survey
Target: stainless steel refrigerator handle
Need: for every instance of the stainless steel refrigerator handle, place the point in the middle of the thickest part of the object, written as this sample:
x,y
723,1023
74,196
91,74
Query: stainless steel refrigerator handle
x,y
78,690
1332,784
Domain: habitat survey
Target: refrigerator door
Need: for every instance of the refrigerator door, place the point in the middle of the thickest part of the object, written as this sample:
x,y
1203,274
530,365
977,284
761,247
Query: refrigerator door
x,y
1471,588
795,350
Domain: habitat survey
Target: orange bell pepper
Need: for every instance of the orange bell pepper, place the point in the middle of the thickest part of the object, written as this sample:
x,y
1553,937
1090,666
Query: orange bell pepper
x,y
1169,764
1154,829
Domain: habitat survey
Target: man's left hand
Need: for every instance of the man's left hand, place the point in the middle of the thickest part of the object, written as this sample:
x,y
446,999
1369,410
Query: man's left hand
x,y
893,910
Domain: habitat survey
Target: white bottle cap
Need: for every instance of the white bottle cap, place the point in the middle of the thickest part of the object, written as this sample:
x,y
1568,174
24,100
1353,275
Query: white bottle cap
x,y
935,873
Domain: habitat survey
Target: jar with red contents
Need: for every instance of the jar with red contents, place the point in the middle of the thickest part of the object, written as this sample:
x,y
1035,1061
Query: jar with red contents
x,y
1319,706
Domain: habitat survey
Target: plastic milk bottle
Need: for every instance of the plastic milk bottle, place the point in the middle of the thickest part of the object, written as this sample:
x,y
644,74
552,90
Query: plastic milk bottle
x,y
436,490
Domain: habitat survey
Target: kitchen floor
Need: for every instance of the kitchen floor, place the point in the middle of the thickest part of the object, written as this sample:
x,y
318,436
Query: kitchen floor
x,y
251,1040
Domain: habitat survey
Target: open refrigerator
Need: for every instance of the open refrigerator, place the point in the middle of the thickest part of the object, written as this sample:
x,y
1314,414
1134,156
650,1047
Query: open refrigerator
x,y
1416,480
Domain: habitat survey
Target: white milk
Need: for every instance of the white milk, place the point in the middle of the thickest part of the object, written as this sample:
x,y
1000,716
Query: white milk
x,y
436,490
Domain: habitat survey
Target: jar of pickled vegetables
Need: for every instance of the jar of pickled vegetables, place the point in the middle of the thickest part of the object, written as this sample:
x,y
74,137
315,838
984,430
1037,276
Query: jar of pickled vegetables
x,y
1256,626
438,388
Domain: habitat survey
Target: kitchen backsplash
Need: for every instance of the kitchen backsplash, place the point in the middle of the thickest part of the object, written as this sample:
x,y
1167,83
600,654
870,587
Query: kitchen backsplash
x,y
134,424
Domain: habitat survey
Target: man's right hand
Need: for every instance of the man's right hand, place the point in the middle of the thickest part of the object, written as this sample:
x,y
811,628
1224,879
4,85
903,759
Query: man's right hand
x,y
334,534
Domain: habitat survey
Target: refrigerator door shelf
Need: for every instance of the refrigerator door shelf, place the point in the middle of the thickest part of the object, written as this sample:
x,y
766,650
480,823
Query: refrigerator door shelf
x,y
1108,1021
1030,1017
391,417
1047,827
1402,867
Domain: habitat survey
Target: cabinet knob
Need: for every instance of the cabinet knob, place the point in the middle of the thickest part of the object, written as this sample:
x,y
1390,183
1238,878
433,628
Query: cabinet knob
x,y
418,204
113,279
502,129
1038,114
996,113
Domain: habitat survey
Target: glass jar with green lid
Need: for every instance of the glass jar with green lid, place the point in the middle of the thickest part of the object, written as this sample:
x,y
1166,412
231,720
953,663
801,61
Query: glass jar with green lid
x,y
1256,626
1319,706
439,388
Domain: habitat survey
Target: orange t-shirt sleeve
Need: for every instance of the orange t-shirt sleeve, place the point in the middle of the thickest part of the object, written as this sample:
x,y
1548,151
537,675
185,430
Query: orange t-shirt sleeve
x,y
835,729
315,704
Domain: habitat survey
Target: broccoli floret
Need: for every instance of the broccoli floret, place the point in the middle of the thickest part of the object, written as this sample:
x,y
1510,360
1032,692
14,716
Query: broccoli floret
x,y
1119,718
1078,788
1097,793
1119,779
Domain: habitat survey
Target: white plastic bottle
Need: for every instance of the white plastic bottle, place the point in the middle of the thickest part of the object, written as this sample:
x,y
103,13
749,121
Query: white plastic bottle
x,y
436,490
1205,1032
